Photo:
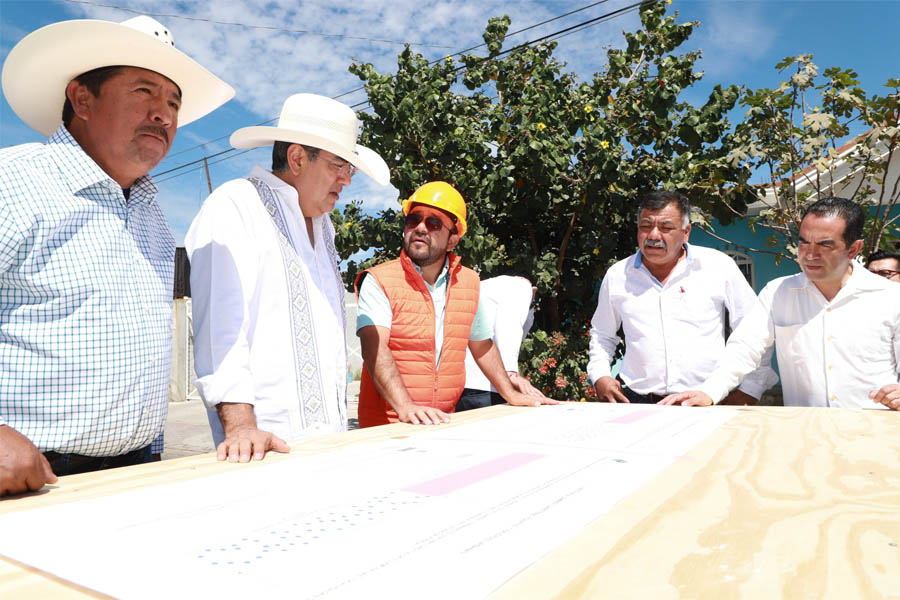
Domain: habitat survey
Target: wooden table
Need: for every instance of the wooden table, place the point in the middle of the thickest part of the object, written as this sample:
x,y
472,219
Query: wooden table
x,y
777,503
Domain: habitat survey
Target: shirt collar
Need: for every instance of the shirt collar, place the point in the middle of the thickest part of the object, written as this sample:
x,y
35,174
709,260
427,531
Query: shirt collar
x,y
860,280
283,191
441,275
81,171
638,263
864,280
689,258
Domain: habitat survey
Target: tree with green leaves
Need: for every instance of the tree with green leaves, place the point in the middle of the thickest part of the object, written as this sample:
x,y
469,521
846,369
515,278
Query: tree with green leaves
x,y
795,135
550,165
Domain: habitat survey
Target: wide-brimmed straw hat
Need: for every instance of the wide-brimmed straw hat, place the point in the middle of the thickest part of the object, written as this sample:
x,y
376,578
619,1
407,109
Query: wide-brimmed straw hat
x,y
319,122
39,67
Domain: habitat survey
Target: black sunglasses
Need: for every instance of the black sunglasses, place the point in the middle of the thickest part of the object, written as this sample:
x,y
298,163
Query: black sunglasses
x,y
432,224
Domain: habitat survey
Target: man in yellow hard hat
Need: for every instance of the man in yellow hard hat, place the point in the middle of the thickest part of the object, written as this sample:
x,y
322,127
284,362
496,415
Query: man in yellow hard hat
x,y
418,314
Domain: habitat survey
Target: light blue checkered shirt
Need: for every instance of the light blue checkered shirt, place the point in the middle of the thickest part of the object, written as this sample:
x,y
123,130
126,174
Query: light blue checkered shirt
x,y
85,302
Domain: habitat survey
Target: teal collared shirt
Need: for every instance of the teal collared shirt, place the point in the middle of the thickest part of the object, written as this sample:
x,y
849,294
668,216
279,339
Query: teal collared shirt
x,y
374,308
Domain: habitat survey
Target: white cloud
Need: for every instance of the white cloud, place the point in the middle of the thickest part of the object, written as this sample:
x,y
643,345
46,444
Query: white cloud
x,y
733,35
266,66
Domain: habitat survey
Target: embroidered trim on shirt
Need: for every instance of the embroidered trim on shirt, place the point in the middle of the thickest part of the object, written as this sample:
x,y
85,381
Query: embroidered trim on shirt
x,y
306,359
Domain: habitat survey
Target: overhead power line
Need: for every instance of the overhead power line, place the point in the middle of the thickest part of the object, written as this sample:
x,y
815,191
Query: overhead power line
x,y
458,53
549,37
266,27
197,168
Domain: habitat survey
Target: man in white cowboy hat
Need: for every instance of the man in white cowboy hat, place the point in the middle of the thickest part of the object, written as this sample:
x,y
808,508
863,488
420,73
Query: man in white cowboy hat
x,y
86,255
268,310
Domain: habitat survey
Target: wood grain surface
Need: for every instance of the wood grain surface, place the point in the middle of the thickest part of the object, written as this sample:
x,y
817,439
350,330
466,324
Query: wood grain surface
x,y
777,503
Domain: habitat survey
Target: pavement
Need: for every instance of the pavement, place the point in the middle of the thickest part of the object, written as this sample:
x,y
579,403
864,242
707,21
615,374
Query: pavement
x,y
187,428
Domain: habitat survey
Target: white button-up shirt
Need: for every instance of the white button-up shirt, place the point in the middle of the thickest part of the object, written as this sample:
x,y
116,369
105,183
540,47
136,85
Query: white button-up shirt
x,y
507,304
674,333
243,344
829,353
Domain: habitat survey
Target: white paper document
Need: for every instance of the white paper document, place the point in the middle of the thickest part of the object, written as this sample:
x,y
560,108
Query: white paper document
x,y
443,513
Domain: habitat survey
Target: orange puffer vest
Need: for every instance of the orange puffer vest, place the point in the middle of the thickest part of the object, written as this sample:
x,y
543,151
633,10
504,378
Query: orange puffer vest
x,y
412,338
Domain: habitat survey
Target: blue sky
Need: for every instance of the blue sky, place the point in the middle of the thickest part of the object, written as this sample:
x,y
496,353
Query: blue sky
x,y
742,41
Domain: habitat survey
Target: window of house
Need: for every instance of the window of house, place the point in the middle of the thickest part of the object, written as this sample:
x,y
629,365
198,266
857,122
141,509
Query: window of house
x,y
745,264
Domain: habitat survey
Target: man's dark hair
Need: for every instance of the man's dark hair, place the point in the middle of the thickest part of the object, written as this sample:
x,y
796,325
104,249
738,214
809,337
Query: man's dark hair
x,y
882,255
279,155
93,80
850,211
660,199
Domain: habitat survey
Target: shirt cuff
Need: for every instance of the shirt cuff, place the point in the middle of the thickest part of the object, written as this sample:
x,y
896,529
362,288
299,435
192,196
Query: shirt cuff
x,y
752,389
596,371
215,389
715,389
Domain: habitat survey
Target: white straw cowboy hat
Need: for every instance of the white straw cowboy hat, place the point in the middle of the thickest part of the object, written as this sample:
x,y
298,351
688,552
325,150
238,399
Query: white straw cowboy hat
x,y
39,67
320,122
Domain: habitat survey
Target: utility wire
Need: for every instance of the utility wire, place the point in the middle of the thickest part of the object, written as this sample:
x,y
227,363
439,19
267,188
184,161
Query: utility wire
x,y
459,53
548,37
197,168
266,27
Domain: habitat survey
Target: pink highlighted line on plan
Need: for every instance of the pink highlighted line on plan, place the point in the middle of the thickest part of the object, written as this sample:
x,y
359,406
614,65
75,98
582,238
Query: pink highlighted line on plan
x,y
631,417
460,479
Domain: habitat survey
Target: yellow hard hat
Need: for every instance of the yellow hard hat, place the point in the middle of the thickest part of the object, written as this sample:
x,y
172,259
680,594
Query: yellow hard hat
x,y
440,195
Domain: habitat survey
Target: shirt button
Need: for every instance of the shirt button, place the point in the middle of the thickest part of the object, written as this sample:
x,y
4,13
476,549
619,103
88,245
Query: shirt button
x,y
833,398
830,338
827,310
829,367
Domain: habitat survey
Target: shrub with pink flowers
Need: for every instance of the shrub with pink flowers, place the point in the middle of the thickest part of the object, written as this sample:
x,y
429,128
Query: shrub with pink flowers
x,y
555,363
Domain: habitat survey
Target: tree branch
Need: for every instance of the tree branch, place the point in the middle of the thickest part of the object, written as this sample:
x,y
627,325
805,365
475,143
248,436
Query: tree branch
x,y
744,247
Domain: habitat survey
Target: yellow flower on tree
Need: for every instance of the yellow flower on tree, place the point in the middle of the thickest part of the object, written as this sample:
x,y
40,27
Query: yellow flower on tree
x,y
596,251
588,108
541,127
604,144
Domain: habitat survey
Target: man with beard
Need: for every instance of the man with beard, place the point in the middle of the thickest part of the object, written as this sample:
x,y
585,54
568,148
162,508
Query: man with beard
x,y
670,299
86,254
418,313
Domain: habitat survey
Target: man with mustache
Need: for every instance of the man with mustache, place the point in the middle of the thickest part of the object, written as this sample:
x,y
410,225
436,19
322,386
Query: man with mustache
x,y
836,325
268,299
86,255
670,299
417,315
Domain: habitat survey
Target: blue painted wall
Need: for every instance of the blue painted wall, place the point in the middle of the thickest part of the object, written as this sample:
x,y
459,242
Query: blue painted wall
x,y
739,233
763,264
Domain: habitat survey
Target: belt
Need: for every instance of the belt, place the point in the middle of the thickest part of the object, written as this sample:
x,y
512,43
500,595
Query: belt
x,y
71,464
642,398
